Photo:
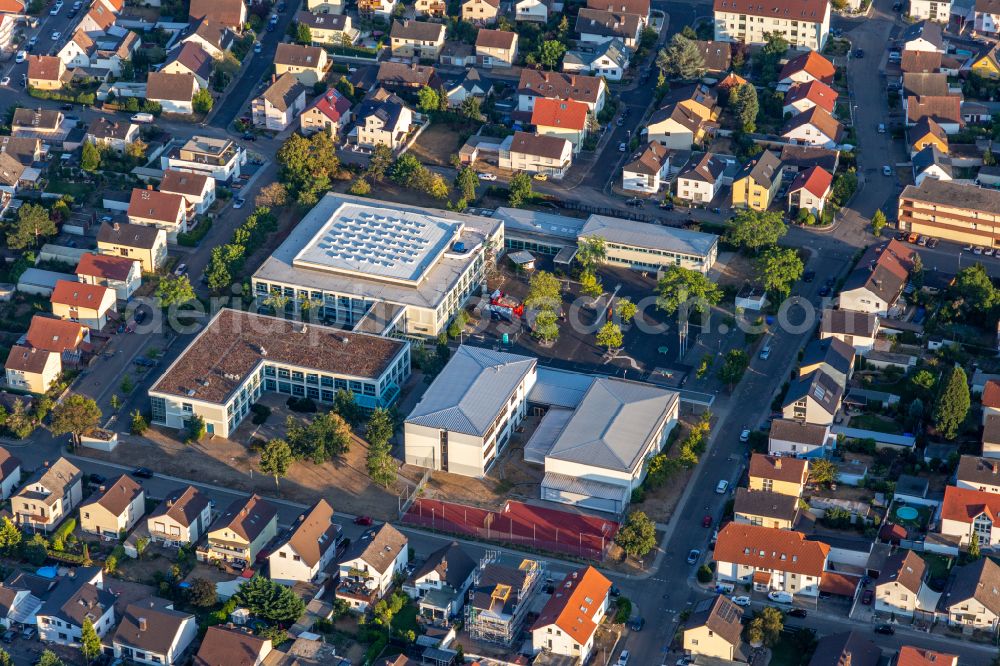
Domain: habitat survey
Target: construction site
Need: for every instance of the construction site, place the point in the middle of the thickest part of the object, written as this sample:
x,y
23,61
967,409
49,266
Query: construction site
x,y
500,599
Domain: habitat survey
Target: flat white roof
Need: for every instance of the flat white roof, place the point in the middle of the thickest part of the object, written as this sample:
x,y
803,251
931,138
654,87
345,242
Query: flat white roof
x,y
652,236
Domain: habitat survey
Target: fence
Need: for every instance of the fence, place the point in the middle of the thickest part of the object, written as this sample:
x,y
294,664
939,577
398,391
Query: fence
x,y
519,524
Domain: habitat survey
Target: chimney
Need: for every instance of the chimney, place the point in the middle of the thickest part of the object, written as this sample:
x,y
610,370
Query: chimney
x,y
116,226
777,464
46,463
149,187
142,624
101,489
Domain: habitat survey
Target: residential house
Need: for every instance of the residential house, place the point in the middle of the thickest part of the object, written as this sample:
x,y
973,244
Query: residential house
x,y
809,66
815,127
496,48
814,398
966,513
972,598
7,22
922,62
986,63
163,210
230,13
856,328
923,36
810,190
790,437
307,63
987,17
535,11
221,643
648,172
990,399
111,50
567,624
63,337
846,648
152,632
945,110
21,596
219,158
197,189
145,244
32,370
308,547
755,186
38,123
88,304
113,510
776,474
500,600
914,656
26,150
173,92
433,8
46,72
10,473
676,127
877,282
717,56
369,565
440,584
470,83
931,10
714,629
803,96
978,473
949,210
97,20
900,586
537,84
212,36
762,507
329,112
597,26
11,174
280,104
700,182
535,153
639,7
931,163
805,25
770,559
703,103
563,119
122,274
112,134
481,12
191,58
382,9
329,29
920,84
401,77
48,496
241,531
608,59
181,518
382,119
74,600
416,39
832,356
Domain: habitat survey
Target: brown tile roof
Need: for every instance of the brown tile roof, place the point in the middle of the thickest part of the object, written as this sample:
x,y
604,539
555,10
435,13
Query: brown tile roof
x,y
850,648
283,92
980,581
904,567
789,430
640,7
77,294
717,55
380,551
183,182
721,616
420,31
925,84
816,92
106,266
246,517
812,63
214,33
153,205
708,169
920,62
403,74
948,193
227,12
538,145
574,605
963,505
849,322
991,429
231,647
234,342
44,68
55,477
766,503
978,470
608,24
10,170
769,548
101,16
562,113
991,394
129,235
818,118
83,40
763,170
151,626
102,128
47,119
496,39
776,468
22,148
27,359
195,59
681,115
811,11
557,84
941,108
171,87
182,505
884,272
452,564
814,180
801,157
314,533
296,55
56,335
927,126
914,656
650,160
117,497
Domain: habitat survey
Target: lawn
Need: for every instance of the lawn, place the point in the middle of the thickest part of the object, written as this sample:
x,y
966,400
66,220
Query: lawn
x,y
790,650
75,190
406,619
876,423
937,565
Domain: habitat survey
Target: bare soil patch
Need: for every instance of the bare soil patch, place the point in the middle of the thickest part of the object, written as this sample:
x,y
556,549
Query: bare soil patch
x,y
438,143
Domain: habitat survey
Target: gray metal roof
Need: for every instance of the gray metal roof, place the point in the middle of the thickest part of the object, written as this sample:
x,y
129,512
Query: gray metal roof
x,y
613,423
471,390
536,222
654,236
559,388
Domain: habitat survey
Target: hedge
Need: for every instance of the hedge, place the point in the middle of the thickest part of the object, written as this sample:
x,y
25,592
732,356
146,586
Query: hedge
x,y
69,558
192,238
87,99
63,531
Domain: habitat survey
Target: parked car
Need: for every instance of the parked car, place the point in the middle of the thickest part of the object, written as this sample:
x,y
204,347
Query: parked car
x,y
797,612
824,292
622,147
143,472
623,658
886,629
144,362
56,35
257,47
5,81
809,276
706,521
722,487
859,53
487,176
667,205
932,242
56,8
977,250
866,597
745,434
637,624
363,520
181,269
541,176
96,479
28,633
741,600
693,556
765,352
635,202
238,202
780,597
21,56
886,170
881,128
8,636
989,252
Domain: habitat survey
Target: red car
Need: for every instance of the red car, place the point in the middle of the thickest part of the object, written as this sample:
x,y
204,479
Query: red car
x,y
867,597
706,521
363,520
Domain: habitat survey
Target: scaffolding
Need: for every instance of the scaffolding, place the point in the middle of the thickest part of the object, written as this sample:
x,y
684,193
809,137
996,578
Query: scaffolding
x,y
499,599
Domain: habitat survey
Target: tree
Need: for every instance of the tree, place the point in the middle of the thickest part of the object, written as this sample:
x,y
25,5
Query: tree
x,y
139,424
638,535
592,252
590,284
269,600
345,87
471,108
303,35
5,659
380,427
682,59
381,465
90,642
953,404
733,368
308,166
49,658
544,292
975,288
974,552
435,185
380,162
466,182
218,274
33,222
346,406
90,157
610,336
276,458
201,593
779,268
681,285
520,191
136,150
75,416
326,437
202,101
427,100
195,429
407,170
10,537
924,379
771,624
754,229
360,187
546,326
626,310
174,290
878,222
550,52
744,102
272,195
822,471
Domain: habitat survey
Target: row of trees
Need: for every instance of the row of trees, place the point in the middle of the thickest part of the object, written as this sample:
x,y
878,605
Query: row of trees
x,y
227,260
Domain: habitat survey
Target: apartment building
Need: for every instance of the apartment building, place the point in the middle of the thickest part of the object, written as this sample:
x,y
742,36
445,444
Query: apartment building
x,y
648,172
770,559
972,598
307,63
74,600
500,599
714,629
48,496
957,212
776,474
417,39
198,190
700,181
219,158
369,565
562,119
481,12
440,584
88,304
496,48
328,28
147,245
877,282
755,186
767,508
568,622
804,24
790,437
278,107
815,399
857,329
152,632
536,84
383,119
118,273
32,370
536,153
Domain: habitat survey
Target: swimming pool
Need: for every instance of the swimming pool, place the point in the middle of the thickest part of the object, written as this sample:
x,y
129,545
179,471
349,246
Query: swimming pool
x,y
906,513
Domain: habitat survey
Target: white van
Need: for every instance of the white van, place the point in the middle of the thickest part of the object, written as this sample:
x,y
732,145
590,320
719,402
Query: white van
x,y
780,597
143,118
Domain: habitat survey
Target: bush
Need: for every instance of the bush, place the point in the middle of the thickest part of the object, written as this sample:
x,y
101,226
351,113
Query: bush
x,y
192,238
305,405
704,574
87,99
260,413
623,611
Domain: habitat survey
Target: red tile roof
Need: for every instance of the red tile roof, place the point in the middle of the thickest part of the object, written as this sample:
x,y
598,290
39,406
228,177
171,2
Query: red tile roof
x,y
913,656
153,205
574,605
771,549
814,180
963,504
44,68
106,266
838,583
333,105
940,108
77,294
811,63
816,92
27,359
991,394
560,113
57,335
